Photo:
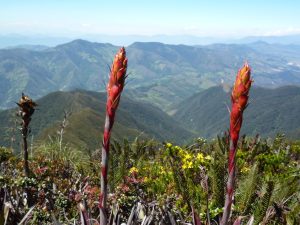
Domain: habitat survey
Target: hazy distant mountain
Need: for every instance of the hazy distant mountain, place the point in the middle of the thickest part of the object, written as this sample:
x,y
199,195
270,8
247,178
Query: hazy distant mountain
x,y
286,39
85,124
10,40
158,73
270,111
30,47
122,40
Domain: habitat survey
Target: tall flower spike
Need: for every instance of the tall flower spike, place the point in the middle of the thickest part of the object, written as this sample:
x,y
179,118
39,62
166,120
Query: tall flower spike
x,y
239,101
114,89
116,81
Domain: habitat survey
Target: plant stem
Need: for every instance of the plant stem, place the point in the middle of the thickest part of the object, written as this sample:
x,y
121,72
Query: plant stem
x,y
25,149
230,183
104,169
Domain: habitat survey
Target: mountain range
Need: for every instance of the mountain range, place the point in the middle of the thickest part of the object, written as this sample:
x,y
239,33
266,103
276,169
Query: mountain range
x,y
205,114
10,40
173,92
270,111
86,121
159,74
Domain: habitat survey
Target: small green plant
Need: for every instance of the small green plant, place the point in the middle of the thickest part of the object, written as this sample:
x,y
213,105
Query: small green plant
x,y
5,154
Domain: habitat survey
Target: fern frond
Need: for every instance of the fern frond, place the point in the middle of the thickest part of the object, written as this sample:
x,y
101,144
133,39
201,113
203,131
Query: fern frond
x,y
263,204
218,174
246,191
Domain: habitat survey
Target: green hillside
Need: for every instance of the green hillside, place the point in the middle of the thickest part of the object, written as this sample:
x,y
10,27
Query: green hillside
x,y
270,111
158,73
85,124
78,64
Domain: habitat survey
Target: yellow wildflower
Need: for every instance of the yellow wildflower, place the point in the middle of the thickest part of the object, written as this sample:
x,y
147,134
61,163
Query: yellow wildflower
x,y
187,165
200,157
169,145
180,151
162,170
245,169
133,170
187,156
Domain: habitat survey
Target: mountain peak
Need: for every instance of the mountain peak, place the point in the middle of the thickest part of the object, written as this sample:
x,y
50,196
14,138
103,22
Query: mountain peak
x,y
147,44
76,42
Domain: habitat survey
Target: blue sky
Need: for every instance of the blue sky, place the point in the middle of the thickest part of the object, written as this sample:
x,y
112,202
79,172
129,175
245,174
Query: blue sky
x,y
231,18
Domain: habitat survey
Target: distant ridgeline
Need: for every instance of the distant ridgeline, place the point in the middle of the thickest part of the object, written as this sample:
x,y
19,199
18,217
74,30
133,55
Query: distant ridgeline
x,y
159,74
204,114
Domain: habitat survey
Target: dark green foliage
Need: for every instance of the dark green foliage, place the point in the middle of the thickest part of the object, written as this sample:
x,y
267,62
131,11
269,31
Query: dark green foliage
x,y
271,181
125,155
218,172
181,182
120,162
246,192
263,203
5,154
163,181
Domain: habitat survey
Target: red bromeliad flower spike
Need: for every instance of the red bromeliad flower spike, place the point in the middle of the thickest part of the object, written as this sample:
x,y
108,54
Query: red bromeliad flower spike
x,y
239,101
114,89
